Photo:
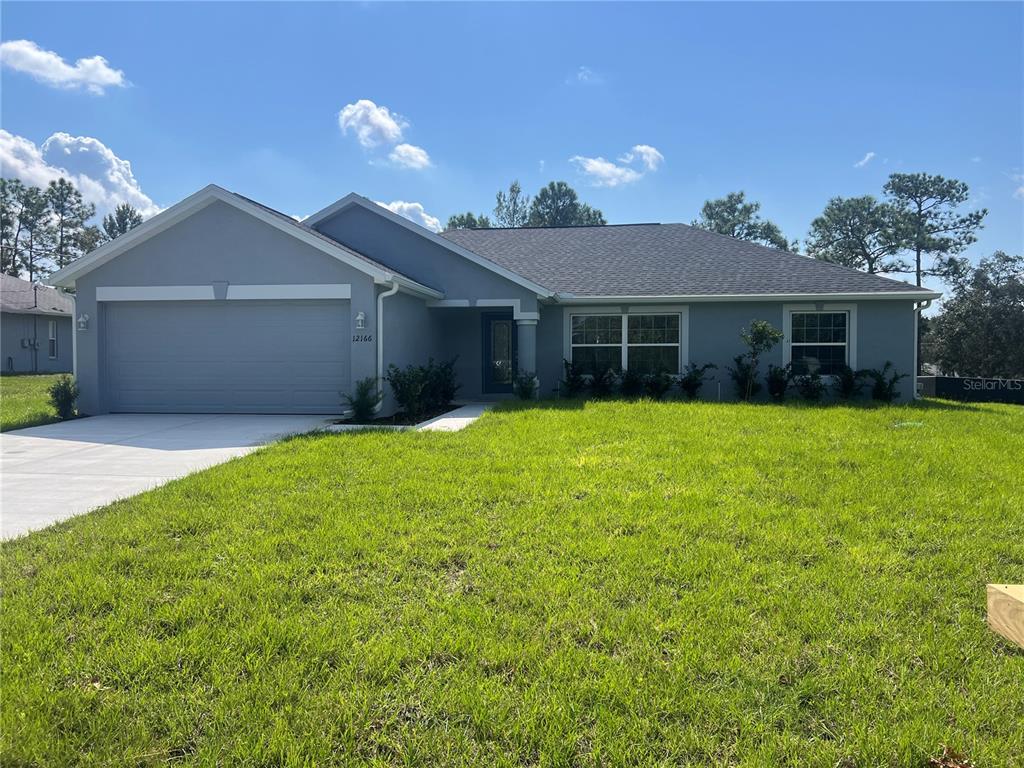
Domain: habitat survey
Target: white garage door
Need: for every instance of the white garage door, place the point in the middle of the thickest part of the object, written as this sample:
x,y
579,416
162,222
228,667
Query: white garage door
x,y
226,356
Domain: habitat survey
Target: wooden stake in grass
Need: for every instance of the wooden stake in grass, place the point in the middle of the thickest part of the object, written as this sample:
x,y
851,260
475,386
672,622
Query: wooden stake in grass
x,y
1006,611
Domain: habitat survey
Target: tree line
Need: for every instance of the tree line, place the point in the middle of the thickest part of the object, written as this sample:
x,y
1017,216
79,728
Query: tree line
x,y
45,229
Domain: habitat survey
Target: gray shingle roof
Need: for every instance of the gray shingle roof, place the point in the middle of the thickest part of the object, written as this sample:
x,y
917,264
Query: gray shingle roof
x,y
661,260
24,298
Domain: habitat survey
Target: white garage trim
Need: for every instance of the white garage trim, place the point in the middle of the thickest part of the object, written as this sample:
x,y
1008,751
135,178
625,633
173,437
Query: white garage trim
x,y
206,292
155,293
324,291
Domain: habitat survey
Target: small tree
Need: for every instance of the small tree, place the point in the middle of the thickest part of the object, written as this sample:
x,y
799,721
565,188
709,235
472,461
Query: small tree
x,y
124,219
858,232
981,329
512,209
468,221
759,338
732,215
558,205
63,396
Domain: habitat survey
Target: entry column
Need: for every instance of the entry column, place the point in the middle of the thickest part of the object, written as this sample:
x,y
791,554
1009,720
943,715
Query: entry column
x,y
527,338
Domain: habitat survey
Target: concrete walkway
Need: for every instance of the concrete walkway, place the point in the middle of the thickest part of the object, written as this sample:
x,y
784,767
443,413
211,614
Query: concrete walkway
x,y
455,420
54,472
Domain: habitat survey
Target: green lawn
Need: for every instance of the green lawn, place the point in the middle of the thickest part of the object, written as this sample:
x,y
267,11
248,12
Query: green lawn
x,y
609,584
25,402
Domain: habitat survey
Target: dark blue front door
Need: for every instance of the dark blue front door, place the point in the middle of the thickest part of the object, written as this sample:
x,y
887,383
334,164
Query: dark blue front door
x,y
499,353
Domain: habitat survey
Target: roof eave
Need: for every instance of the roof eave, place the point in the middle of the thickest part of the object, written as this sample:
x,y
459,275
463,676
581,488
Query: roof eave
x,y
572,298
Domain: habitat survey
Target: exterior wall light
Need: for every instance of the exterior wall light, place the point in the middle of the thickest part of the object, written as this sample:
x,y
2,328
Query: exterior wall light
x,y
361,321
83,322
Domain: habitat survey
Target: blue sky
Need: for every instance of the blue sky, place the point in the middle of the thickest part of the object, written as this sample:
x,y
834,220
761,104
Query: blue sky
x,y
783,101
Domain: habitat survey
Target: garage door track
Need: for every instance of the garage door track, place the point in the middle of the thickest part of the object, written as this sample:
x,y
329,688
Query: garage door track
x,y
51,473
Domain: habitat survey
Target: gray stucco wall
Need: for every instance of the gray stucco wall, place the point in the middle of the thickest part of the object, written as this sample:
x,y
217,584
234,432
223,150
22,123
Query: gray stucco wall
x,y
412,335
14,358
885,331
218,243
419,258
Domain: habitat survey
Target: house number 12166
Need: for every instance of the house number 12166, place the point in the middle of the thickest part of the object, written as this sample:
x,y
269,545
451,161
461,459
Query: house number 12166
x,y
362,337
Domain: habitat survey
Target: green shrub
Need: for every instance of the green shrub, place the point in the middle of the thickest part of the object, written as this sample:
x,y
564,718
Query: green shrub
x,y
525,385
848,382
423,389
440,386
63,396
631,384
657,385
603,385
364,400
407,385
883,385
810,386
574,382
778,381
744,376
693,379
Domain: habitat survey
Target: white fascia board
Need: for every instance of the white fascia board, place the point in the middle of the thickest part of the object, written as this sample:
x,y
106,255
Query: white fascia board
x,y
290,291
155,293
354,199
570,299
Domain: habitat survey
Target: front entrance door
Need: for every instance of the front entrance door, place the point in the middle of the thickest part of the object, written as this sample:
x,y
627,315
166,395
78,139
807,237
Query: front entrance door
x,y
499,358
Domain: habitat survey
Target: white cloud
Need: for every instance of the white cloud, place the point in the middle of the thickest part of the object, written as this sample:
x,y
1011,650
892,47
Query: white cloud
x,y
102,177
93,74
864,160
371,124
605,173
413,212
584,76
650,157
410,156
976,159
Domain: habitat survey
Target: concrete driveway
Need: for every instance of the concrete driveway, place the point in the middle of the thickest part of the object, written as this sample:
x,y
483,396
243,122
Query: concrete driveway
x,y
51,473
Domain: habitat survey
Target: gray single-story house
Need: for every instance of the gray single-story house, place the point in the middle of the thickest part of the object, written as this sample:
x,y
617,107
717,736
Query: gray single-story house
x,y
220,304
35,328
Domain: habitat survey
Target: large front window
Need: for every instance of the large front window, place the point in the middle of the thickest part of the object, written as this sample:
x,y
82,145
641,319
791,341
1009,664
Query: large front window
x,y
819,342
642,343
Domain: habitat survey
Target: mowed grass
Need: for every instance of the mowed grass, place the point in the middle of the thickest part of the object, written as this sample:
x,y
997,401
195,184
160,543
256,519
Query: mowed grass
x,y
600,584
25,401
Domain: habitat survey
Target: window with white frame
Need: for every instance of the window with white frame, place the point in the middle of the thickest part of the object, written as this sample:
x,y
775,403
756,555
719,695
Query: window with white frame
x,y
819,342
647,343
52,328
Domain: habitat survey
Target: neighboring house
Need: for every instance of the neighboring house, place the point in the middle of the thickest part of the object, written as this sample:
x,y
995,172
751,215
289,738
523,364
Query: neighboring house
x,y
35,328
220,304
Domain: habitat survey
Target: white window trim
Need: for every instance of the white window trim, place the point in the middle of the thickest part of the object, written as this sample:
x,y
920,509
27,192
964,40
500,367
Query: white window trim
x,y
851,329
624,312
51,330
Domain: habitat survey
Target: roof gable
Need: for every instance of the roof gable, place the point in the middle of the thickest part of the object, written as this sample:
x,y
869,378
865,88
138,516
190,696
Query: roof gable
x,y
354,199
67,276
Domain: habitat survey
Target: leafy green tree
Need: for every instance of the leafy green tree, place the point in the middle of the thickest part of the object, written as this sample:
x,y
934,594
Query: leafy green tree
x,y
858,232
11,191
468,221
124,219
732,215
69,212
558,205
35,233
512,209
931,224
981,329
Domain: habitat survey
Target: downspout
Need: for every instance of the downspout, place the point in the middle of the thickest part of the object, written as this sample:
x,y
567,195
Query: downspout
x,y
918,308
380,340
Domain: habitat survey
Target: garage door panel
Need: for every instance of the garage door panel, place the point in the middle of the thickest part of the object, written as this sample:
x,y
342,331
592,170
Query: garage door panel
x,y
227,356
